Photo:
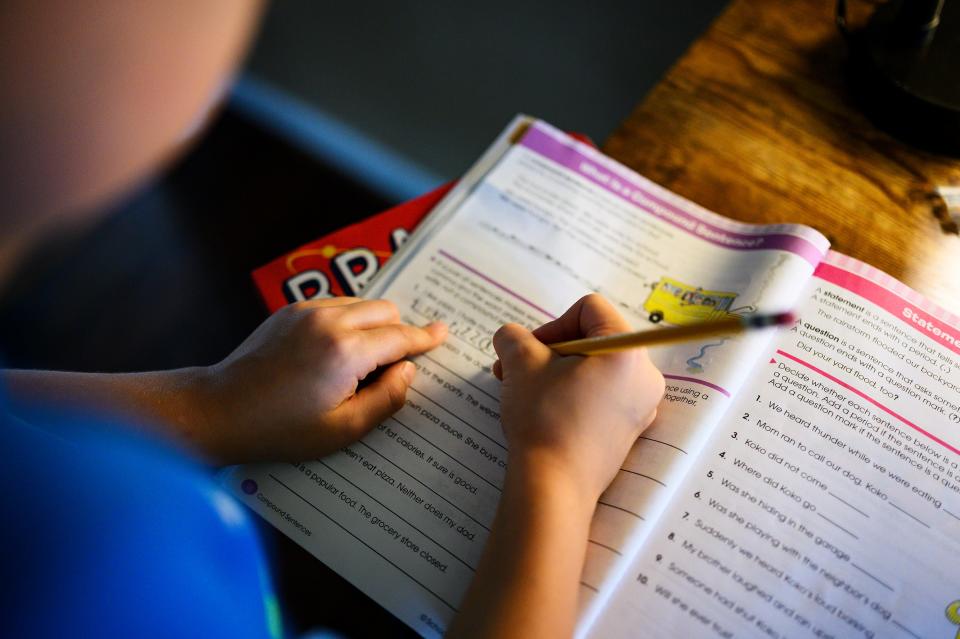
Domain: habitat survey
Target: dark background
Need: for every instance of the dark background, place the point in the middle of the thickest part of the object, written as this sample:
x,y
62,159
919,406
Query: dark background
x,y
342,110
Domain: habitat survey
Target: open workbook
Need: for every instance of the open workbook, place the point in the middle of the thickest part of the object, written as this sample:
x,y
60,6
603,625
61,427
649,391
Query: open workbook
x,y
802,482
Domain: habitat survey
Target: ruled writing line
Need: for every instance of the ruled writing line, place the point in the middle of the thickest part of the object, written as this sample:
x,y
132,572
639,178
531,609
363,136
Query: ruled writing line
x,y
407,473
844,501
610,548
342,527
629,512
651,439
457,461
441,546
633,472
455,416
919,521
837,525
872,576
460,377
905,629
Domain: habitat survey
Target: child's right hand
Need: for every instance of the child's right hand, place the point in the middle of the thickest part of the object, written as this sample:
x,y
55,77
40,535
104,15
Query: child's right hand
x,y
570,422
579,415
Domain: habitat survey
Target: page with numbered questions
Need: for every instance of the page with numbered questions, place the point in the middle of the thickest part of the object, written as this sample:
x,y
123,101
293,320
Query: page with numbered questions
x,y
827,502
540,221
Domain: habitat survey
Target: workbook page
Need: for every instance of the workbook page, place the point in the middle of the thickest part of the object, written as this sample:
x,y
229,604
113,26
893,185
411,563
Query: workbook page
x,y
404,514
827,502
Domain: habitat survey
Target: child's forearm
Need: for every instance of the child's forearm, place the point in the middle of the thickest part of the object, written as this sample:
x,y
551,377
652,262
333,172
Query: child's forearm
x,y
289,392
170,401
527,581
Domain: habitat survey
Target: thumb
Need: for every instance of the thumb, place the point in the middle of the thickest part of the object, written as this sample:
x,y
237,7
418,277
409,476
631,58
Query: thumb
x,y
378,401
518,348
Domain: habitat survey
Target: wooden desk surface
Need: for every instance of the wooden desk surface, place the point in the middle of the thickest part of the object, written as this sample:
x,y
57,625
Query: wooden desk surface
x,y
754,122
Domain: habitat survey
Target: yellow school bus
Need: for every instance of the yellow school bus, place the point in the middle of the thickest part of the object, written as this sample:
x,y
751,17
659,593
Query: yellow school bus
x,y
674,302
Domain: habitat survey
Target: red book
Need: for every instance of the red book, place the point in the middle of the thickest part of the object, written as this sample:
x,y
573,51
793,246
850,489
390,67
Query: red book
x,y
342,262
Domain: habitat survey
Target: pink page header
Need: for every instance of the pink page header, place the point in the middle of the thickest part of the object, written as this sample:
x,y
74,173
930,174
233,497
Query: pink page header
x,y
918,313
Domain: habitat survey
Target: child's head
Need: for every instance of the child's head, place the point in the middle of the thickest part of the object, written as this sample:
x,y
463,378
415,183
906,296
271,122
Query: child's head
x,y
96,94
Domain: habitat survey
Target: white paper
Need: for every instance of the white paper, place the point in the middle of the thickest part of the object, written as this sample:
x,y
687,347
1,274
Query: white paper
x,y
827,503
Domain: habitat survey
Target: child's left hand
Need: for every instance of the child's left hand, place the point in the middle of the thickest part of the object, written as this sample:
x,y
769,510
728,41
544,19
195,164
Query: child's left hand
x,y
290,391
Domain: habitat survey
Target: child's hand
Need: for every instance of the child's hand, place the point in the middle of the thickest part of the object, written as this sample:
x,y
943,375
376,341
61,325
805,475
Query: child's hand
x,y
570,422
577,414
290,391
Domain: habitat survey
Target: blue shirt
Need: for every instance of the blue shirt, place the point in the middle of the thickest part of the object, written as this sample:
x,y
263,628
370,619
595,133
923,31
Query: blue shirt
x,y
108,534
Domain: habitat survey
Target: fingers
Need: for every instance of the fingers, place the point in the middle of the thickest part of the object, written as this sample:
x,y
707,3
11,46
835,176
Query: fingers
x,y
370,314
378,401
329,302
518,348
353,312
599,317
590,316
387,344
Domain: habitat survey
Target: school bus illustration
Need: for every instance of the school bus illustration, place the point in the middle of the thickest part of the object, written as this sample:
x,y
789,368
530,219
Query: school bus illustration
x,y
953,614
674,302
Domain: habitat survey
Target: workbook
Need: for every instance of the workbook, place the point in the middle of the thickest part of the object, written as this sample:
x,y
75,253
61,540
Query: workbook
x,y
797,482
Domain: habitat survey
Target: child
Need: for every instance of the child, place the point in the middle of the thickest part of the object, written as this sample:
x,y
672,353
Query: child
x,y
106,534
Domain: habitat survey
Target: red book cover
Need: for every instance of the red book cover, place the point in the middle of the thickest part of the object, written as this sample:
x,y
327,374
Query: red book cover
x,y
342,262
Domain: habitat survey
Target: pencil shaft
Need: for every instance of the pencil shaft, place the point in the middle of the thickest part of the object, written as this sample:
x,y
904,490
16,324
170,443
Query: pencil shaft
x,y
623,341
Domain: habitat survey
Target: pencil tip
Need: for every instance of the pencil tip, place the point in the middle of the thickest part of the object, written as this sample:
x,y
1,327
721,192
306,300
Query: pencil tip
x,y
775,319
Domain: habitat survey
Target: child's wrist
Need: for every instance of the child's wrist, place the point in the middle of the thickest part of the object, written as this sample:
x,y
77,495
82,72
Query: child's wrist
x,y
542,475
202,416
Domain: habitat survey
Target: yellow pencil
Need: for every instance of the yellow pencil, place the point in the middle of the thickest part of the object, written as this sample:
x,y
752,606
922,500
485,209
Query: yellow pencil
x,y
656,337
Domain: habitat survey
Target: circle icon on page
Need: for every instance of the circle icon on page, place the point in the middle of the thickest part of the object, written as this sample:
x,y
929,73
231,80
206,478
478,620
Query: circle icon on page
x,y
248,486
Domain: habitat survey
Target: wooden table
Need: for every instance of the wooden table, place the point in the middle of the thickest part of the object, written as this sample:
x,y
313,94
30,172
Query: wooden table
x,y
755,123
